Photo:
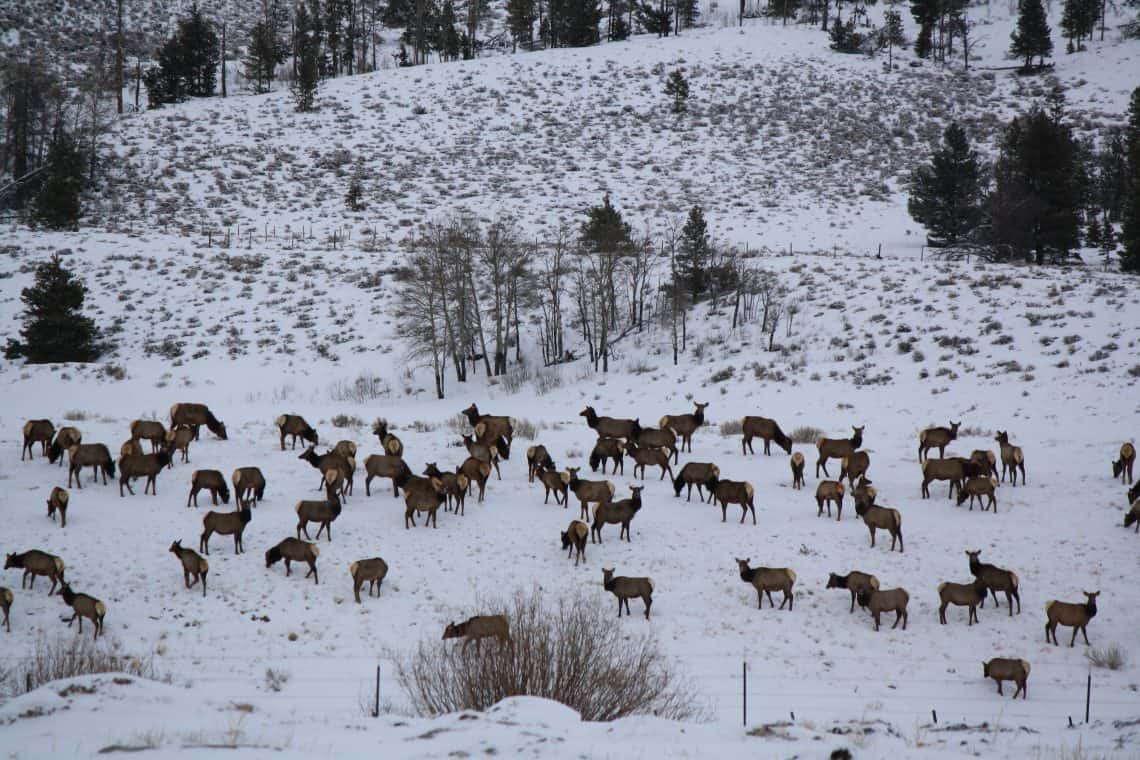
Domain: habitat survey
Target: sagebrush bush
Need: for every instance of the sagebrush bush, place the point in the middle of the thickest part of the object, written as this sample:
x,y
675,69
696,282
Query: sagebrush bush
x,y
732,427
68,657
1112,658
806,434
565,648
524,428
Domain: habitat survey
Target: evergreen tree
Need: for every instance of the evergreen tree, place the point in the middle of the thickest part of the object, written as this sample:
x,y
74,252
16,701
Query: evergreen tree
x,y
1130,233
187,63
55,329
1032,36
677,88
845,38
689,11
447,40
656,18
398,13
693,253
57,204
946,195
266,51
572,23
1036,201
892,35
925,13
308,42
604,229
1078,20
520,20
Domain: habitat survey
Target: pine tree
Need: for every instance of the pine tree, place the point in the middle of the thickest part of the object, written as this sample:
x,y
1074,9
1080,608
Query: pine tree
x,y
605,230
946,194
1078,20
1032,36
308,42
520,20
677,88
187,63
693,254
448,42
925,13
265,53
1130,233
55,329
57,204
892,35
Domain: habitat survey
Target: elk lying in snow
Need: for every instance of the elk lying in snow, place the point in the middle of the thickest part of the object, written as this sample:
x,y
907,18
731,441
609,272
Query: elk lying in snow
x,y
684,425
766,580
484,452
423,497
295,550
768,430
1003,669
57,502
626,588
386,466
936,438
1071,614
882,518
996,579
1012,459
574,539
455,486
212,481
830,491
1122,467
962,595
489,425
656,438
249,484
699,474
854,466
556,482
610,427
65,438
36,562
854,582
976,488
614,512
321,512
587,491
837,448
294,425
392,445
537,459
476,471
225,524
734,492
372,570
478,628
797,462
94,455
196,415
146,466
192,565
37,431
6,597
892,600
643,455
83,606
149,430
179,439
604,450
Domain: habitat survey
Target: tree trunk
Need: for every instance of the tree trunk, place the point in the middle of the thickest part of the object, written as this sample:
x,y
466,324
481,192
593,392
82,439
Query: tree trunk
x,y
119,55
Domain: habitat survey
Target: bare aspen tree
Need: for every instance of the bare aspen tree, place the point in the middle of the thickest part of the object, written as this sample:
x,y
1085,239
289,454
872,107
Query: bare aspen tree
x,y
420,314
119,56
552,276
497,256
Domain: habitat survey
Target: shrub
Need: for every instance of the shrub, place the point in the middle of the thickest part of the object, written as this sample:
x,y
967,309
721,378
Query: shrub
x,y
1111,657
566,648
524,428
723,374
732,427
347,420
275,680
366,387
68,657
515,378
547,380
806,434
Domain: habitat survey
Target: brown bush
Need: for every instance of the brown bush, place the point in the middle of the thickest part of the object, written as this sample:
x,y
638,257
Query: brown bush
x,y
68,657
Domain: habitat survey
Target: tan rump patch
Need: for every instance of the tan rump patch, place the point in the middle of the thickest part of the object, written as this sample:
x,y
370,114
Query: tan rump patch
x,y
1025,664
59,566
62,496
792,575
564,477
100,610
352,568
281,420
316,550
941,586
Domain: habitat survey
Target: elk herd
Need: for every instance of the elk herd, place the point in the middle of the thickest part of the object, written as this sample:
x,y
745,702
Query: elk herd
x,y
975,477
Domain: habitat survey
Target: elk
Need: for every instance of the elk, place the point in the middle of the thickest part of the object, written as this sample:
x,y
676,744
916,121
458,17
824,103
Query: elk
x,y
478,628
698,474
476,471
225,524
1134,493
597,491
537,459
386,466
769,430
766,580
892,600
249,484
854,582
830,491
574,539
614,512
854,466
196,415
643,456
626,588
294,425
423,497
146,466
83,606
954,469
212,481
976,488
36,562
392,445
130,447
345,448
985,462
321,512
93,455
455,486
1133,516
1122,467
1012,459
179,439
192,565
656,438
797,462
492,426
727,492
962,595
328,461
484,452
837,448
6,597
65,438
684,425
1003,669
1072,614
610,427
606,449
295,550
37,431
149,430
936,438
57,501
996,579
882,518
373,570
556,482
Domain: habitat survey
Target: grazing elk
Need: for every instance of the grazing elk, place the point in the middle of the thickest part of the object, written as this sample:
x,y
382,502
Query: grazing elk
x,y
954,469
212,481
57,502
373,570
537,460
130,447
1122,467
626,588
610,427
386,466
574,539
854,582
225,524
295,550
1134,493
797,462
488,425
606,449
643,455
179,439
146,466
837,448
65,438
37,431
881,518
587,491
734,492
962,595
6,597
892,600
423,496
1072,614
193,565
149,430
392,445
1012,459
699,474
768,430
936,438
996,579
556,482
478,628
976,488
656,438
614,512
1133,516
94,455
83,606
829,491
985,462
36,562
766,580
1004,669
196,415
684,425
249,484
294,425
